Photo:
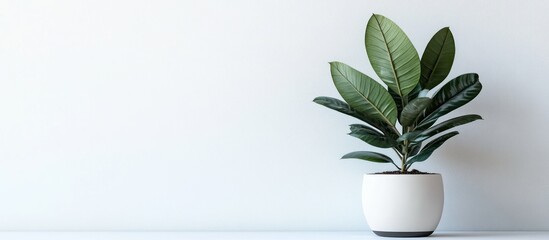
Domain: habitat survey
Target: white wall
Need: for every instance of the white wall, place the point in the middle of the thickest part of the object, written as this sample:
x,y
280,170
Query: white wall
x,y
198,115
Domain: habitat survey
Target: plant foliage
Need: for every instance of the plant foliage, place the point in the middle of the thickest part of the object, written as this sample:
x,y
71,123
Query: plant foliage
x,y
403,102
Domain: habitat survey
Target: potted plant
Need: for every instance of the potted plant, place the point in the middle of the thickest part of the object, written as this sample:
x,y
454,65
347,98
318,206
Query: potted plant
x,y
405,202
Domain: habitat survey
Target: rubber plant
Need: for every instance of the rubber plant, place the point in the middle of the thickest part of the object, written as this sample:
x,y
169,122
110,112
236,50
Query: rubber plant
x,y
405,103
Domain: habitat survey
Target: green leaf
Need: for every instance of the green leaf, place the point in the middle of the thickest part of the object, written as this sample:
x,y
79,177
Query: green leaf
x,y
408,136
363,94
430,147
437,59
414,149
343,107
443,126
398,99
392,55
338,105
360,127
371,136
412,110
451,96
368,156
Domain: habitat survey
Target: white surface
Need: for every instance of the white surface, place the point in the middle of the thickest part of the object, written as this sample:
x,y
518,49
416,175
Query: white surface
x,y
402,203
258,235
198,115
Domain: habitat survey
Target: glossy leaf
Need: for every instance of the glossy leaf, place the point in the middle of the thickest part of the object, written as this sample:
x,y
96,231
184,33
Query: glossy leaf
x,y
430,148
398,99
437,59
408,136
363,94
371,136
392,55
451,96
368,156
443,126
412,110
360,127
414,149
338,105
343,107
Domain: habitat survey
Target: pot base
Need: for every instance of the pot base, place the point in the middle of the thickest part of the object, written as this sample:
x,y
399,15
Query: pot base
x,y
403,234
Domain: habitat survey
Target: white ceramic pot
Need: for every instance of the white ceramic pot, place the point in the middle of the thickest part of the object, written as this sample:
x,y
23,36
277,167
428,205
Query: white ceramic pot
x,y
402,205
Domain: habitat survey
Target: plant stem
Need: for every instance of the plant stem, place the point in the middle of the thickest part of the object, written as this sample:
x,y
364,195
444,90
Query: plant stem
x,y
405,150
404,157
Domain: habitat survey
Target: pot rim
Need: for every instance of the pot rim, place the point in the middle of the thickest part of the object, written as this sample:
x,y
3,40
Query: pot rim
x,y
403,175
